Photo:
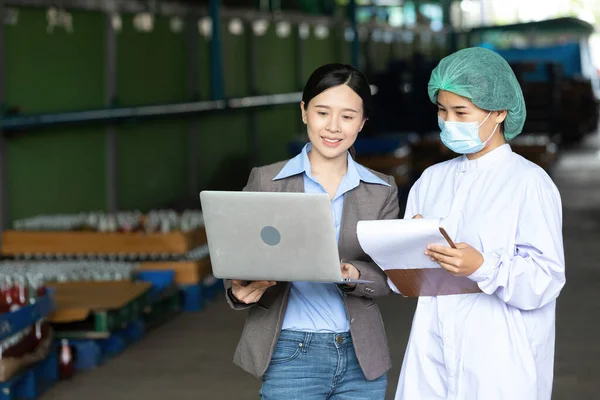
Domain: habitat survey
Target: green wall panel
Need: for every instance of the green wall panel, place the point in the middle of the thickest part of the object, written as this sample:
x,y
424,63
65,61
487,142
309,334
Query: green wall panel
x,y
151,66
236,80
153,156
60,170
318,52
203,68
58,71
345,50
56,172
276,128
275,74
153,164
223,153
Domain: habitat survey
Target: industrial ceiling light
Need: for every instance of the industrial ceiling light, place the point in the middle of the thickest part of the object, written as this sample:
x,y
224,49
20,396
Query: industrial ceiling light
x,y
388,37
11,16
143,22
116,22
321,32
205,27
236,27
377,35
349,34
260,27
283,29
176,24
304,31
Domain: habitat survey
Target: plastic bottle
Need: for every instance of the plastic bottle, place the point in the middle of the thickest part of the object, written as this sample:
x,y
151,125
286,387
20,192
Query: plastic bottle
x,y
66,367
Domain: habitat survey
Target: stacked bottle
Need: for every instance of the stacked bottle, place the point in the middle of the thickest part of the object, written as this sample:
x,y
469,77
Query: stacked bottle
x,y
16,291
27,279
125,221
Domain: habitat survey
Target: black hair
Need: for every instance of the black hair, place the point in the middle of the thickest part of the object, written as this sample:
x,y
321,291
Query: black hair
x,y
332,75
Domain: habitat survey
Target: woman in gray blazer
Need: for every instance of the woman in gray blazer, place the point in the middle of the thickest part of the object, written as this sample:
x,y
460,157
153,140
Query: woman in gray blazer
x,y
318,340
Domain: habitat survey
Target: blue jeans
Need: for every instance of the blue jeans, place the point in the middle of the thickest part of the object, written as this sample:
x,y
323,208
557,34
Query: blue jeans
x,y
318,366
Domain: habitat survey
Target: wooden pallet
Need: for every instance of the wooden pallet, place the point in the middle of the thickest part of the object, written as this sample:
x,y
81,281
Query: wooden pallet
x,y
79,242
96,309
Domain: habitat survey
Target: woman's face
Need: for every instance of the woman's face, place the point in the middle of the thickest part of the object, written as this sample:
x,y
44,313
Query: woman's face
x,y
333,120
452,107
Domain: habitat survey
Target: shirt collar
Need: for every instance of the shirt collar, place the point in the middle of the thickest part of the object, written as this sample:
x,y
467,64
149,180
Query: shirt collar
x,y
356,172
297,165
486,160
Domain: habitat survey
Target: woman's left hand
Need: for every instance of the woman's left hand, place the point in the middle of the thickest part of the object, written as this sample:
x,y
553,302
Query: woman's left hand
x,y
462,261
349,271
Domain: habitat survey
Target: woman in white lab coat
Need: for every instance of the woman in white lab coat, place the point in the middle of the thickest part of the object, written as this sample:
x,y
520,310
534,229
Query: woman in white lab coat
x,y
505,215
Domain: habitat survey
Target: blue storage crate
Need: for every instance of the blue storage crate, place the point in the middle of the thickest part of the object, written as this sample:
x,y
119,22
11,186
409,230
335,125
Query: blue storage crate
x,y
91,352
160,279
88,353
134,331
112,346
193,297
212,287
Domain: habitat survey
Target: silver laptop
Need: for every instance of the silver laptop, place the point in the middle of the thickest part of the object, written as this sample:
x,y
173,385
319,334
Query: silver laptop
x,y
272,236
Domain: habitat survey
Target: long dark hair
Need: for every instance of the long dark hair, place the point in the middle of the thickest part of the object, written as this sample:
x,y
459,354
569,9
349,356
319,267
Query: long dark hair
x,y
332,75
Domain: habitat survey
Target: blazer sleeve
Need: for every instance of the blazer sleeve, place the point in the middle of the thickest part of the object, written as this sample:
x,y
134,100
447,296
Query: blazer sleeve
x,y
368,269
253,185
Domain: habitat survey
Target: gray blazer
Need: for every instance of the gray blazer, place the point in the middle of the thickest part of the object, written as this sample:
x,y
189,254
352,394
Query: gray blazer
x,y
265,318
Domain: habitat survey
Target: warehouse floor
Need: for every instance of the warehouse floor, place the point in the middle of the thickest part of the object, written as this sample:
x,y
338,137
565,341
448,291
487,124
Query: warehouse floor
x,y
190,357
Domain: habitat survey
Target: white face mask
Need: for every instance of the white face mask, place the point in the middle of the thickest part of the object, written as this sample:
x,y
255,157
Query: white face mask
x,y
463,137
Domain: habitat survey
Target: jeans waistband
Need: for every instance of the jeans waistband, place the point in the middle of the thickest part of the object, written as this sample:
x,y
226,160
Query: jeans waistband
x,y
322,338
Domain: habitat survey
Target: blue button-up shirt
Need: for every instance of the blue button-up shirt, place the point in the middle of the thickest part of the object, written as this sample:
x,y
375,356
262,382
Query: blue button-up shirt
x,y
319,307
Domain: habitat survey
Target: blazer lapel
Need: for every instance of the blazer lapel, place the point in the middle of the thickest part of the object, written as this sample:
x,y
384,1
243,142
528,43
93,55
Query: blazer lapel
x,y
349,220
292,184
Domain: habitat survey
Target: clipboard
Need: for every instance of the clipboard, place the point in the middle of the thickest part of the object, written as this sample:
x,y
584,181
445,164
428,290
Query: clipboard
x,y
431,280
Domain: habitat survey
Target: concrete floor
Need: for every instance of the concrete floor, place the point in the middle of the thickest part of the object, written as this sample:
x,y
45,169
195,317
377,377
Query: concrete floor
x,y
190,357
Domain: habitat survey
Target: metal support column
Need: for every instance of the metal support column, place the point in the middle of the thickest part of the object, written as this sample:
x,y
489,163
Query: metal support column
x,y
417,39
356,41
447,19
216,63
4,207
110,91
193,86
299,55
300,78
275,5
252,123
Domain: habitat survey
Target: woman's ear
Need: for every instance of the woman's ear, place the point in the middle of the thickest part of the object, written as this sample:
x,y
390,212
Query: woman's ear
x,y
363,124
501,116
303,111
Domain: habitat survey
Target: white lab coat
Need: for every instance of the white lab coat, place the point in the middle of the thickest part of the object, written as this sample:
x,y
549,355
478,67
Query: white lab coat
x,y
499,344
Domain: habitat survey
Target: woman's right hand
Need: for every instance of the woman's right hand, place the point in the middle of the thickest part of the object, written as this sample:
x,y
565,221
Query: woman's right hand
x,y
251,292
418,216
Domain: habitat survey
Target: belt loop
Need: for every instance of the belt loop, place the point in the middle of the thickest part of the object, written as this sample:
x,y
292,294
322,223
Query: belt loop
x,y
306,343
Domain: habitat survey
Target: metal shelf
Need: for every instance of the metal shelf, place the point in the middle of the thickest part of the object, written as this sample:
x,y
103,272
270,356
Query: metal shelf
x,y
112,115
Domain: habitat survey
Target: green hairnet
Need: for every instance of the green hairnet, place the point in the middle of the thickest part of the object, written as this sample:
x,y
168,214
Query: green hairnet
x,y
485,78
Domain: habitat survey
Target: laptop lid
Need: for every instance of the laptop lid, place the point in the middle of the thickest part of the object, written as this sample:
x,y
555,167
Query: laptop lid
x,y
271,236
